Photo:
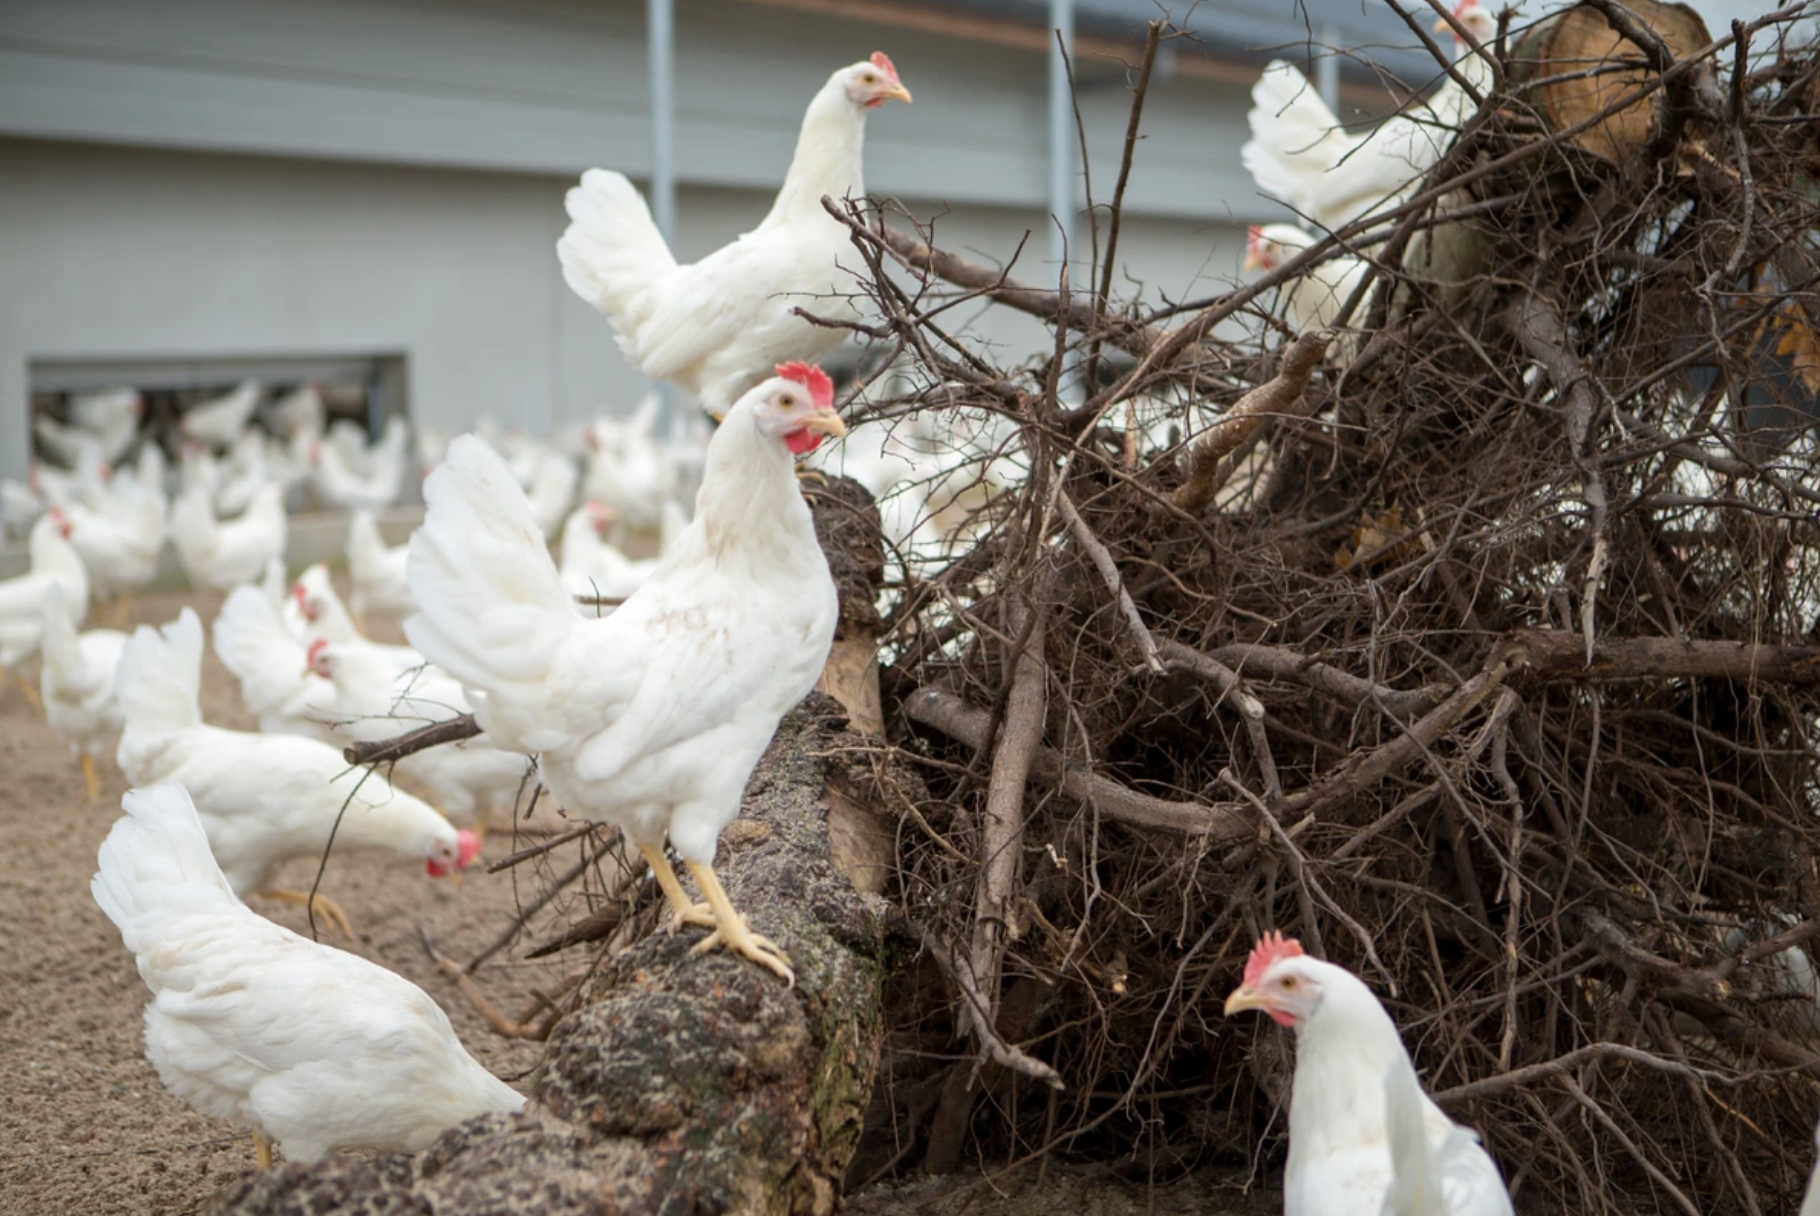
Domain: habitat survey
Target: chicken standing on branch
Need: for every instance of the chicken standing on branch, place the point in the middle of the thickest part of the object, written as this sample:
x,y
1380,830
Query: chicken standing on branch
x,y
1363,1138
77,680
264,799
716,327
1299,152
652,717
310,1048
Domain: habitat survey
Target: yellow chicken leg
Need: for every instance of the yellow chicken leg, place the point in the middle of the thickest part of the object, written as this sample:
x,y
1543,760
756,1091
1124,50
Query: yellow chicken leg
x,y
682,910
90,781
731,930
122,605
31,694
262,1151
325,907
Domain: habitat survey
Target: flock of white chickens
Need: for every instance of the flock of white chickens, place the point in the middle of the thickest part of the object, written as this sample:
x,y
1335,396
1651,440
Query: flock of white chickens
x,y
645,708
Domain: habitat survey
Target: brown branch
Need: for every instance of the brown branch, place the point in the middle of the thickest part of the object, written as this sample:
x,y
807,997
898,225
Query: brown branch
x,y
384,751
1000,286
1276,396
1102,561
1002,829
1571,1062
1281,663
946,712
1555,655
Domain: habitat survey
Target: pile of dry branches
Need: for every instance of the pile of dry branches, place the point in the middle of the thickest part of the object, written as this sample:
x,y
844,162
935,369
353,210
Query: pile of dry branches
x,y
1487,662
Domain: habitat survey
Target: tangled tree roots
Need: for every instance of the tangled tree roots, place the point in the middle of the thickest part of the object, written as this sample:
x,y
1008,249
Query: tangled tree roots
x,y
1485,662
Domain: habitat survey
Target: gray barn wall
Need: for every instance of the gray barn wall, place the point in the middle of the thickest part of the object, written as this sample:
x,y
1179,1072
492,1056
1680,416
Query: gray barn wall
x,y
343,176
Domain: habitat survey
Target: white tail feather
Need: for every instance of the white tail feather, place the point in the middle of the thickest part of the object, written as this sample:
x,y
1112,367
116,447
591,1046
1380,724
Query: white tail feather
x,y
1295,137
253,643
156,862
612,250
160,677
491,609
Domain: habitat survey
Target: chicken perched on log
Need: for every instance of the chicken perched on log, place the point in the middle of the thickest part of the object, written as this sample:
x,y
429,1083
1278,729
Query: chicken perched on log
x,y
716,327
1364,1140
311,1049
652,717
1299,152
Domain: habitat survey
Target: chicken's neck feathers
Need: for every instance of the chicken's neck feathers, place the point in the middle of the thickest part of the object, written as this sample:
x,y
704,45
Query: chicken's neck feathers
x,y
1343,1052
750,512
827,160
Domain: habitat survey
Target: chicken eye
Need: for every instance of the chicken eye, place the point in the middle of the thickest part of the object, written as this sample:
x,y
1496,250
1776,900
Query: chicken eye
x,y
869,78
786,401
1288,983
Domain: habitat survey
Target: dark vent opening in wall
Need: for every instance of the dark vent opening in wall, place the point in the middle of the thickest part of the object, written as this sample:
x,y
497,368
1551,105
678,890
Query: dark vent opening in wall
x,y
364,388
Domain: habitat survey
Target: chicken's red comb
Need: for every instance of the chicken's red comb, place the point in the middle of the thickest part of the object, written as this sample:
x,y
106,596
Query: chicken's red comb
x,y
1271,947
1254,236
883,63
813,379
316,648
1463,7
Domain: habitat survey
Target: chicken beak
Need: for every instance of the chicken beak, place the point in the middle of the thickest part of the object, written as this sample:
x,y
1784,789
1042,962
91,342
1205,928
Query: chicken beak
x,y
1252,261
1245,997
827,422
896,92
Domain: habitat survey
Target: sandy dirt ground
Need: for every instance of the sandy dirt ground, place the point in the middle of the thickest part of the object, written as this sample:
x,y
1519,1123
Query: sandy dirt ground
x,y
85,1126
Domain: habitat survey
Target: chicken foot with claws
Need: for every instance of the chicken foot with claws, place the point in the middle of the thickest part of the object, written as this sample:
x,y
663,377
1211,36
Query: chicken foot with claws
x,y
732,931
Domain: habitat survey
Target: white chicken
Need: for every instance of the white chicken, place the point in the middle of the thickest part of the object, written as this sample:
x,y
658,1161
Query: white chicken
x,y
226,553
77,680
301,411
716,327
1298,151
316,613
217,422
1314,299
102,427
120,545
1363,1138
376,570
56,568
592,566
552,489
651,717
371,479
628,471
272,666
264,799
310,1048
376,699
